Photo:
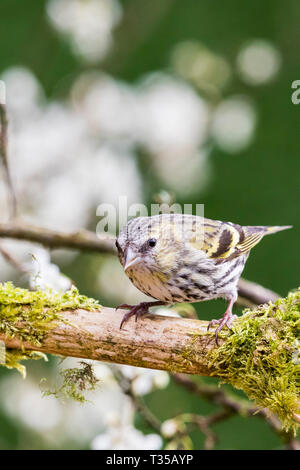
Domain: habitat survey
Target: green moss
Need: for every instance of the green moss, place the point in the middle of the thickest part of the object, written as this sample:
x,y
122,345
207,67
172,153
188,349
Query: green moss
x,y
28,315
74,382
261,356
14,356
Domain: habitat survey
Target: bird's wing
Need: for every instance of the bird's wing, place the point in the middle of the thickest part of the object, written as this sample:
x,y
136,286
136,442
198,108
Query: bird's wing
x,y
253,235
224,240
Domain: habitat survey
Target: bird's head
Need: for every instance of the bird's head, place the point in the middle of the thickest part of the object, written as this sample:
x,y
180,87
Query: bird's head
x,y
147,243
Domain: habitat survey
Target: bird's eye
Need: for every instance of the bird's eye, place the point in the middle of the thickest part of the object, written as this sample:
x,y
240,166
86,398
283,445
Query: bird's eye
x,y
152,242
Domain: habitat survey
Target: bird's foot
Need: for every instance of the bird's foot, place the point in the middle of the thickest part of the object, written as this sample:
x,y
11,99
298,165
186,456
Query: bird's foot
x,y
137,310
226,320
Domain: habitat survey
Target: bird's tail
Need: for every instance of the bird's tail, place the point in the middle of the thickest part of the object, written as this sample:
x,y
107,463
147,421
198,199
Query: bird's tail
x,y
276,228
253,235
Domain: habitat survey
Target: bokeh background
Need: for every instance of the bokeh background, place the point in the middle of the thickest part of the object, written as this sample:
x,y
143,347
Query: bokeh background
x,y
152,99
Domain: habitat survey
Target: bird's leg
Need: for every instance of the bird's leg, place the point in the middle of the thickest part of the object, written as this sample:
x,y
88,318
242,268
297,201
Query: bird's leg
x,y
137,310
226,319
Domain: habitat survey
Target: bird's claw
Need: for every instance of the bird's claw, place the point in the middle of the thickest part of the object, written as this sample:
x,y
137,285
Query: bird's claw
x,y
137,310
123,306
226,320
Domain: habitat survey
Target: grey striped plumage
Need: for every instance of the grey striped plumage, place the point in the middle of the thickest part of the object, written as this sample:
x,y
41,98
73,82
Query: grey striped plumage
x,y
186,258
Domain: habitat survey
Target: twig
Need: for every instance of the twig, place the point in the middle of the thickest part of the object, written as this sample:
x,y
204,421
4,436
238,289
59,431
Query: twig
x,y
201,422
12,260
4,155
235,406
255,293
213,394
83,240
141,408
204,423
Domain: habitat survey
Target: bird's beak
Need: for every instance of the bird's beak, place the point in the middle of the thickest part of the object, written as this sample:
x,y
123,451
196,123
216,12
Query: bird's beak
x,y
131,258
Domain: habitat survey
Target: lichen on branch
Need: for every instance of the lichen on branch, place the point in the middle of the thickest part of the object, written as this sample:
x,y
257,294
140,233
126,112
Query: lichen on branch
x,y
262,357
75,382
14,356
28,315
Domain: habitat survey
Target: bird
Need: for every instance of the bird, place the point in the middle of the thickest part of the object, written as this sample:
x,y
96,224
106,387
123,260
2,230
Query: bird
x,y
176,258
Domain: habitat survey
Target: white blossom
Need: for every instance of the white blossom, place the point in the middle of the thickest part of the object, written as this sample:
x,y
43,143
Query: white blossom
x,y
59,167
110,107
121,434
172,115
234,124
169,428
44,274
144,381
23,400
87,23
258,62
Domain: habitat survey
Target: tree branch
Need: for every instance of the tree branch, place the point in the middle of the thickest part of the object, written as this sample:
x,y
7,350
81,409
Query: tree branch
x,y
155,342
255,293
83,240
260,342
250,293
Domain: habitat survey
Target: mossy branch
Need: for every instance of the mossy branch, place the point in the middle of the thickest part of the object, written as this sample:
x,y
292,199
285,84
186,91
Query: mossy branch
x,y
261,354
